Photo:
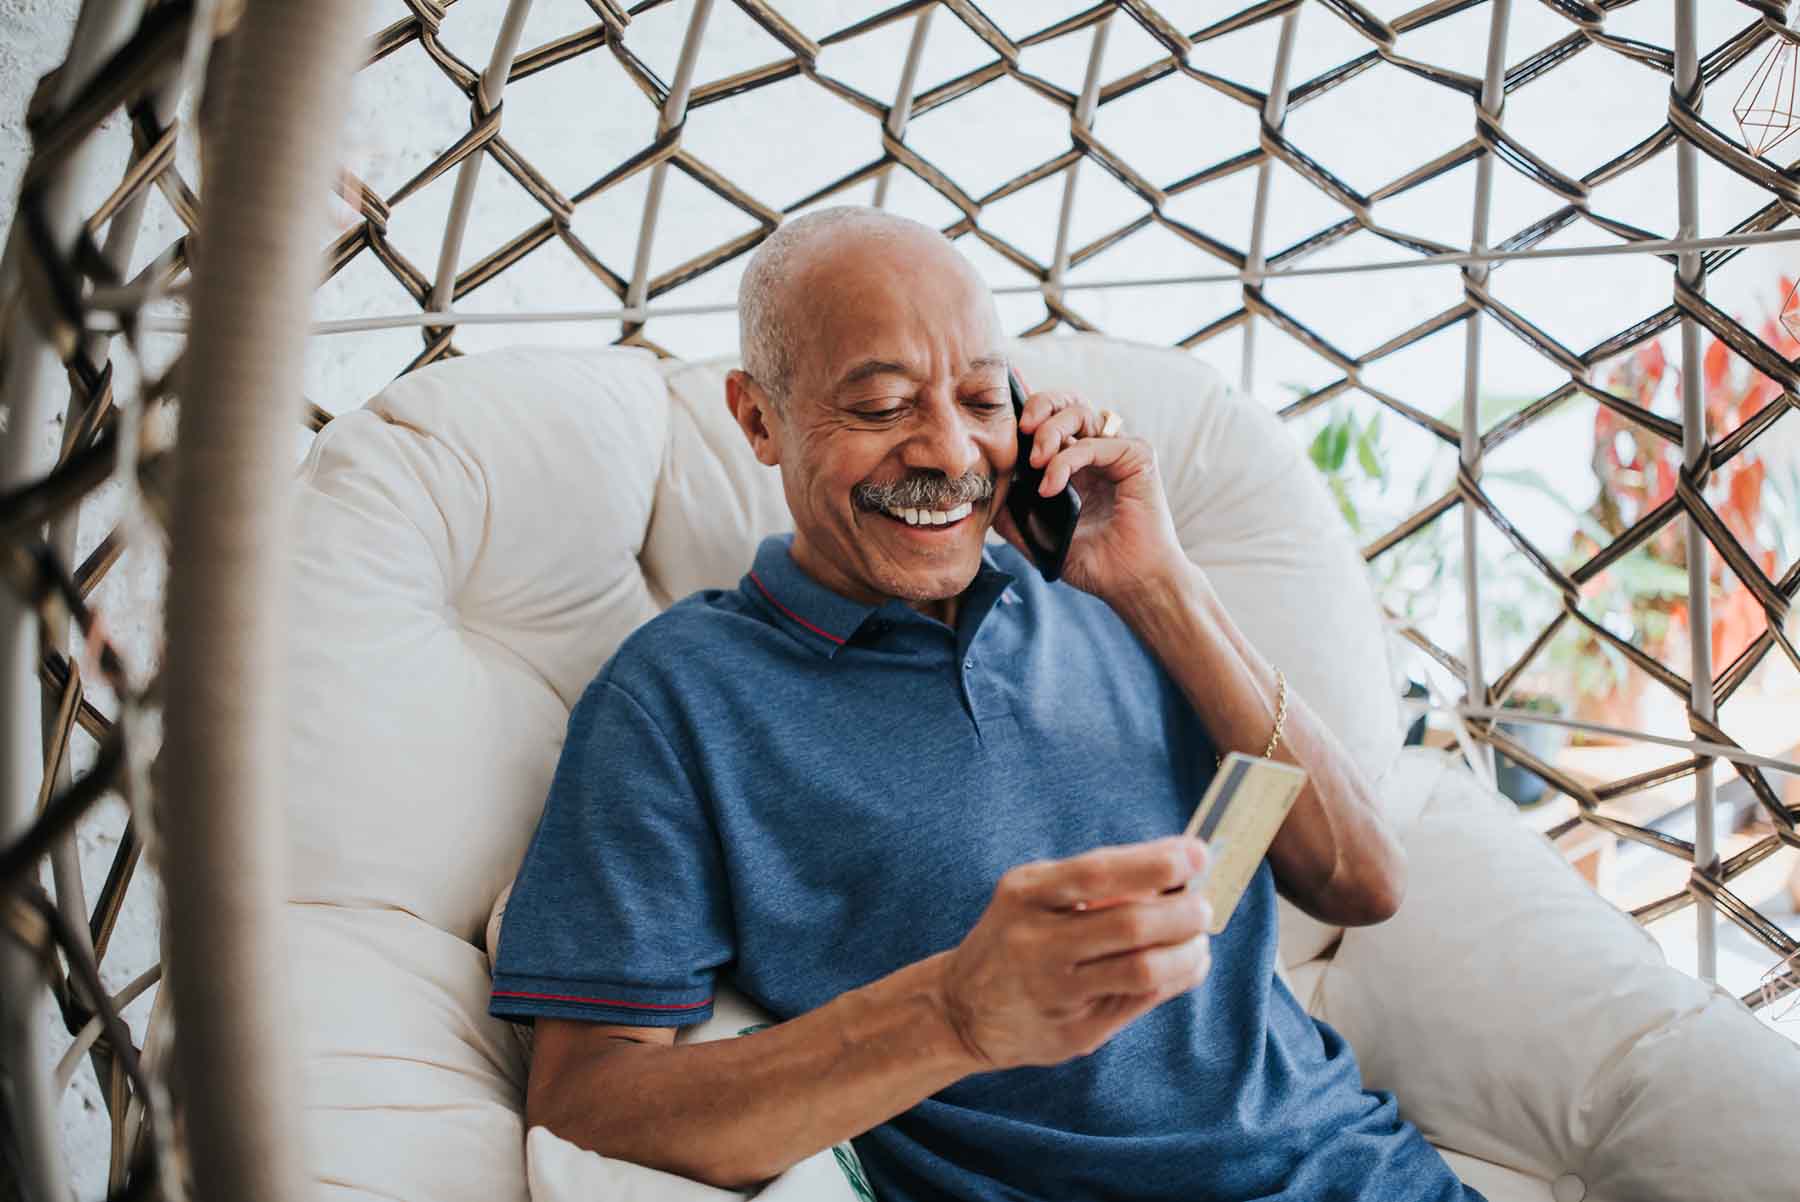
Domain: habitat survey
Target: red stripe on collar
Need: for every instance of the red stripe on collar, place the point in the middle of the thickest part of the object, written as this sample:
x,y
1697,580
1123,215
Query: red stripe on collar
x,y
824,634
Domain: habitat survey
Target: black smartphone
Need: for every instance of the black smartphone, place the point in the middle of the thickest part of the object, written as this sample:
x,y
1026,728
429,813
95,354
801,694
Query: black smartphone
x,y
1046,523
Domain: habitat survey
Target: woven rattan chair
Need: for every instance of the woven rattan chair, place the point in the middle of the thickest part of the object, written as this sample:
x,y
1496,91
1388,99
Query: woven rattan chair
x,y
333,820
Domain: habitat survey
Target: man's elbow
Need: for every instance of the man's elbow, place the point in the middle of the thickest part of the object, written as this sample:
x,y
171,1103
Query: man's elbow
x,y
546,1107
577,1114
566,1105
1377,891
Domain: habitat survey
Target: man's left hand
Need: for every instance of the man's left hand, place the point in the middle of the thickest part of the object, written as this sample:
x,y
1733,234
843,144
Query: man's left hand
x,y
1125,541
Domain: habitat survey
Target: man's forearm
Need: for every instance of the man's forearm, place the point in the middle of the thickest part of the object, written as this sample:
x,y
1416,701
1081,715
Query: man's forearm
x,y
736,1112
1230,686
1334,855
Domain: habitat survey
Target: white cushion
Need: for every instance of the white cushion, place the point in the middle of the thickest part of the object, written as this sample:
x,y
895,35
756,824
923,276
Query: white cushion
x,y
409,1089
466,559
1521,1019
561,1172
1497,1183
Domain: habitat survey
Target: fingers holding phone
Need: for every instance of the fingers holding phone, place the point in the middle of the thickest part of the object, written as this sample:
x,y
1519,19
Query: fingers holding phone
x,y
1098,476
1055,420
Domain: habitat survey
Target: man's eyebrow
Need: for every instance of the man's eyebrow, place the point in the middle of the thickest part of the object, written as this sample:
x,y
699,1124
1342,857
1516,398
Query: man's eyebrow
x,y
889,367
873,367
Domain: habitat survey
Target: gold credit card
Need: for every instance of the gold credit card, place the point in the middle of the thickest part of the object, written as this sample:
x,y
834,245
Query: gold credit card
x,y
1245,805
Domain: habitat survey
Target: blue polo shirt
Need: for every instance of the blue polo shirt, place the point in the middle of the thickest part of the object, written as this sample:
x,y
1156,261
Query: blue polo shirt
x,y
800,794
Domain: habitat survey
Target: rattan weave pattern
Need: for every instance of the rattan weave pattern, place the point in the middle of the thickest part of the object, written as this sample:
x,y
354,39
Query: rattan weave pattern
x,y
61,273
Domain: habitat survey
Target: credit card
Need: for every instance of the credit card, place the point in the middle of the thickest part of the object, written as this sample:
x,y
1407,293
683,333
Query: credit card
x,y
1244,807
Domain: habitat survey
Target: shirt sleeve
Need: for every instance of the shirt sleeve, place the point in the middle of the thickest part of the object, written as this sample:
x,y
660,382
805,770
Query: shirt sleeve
x,y
620,912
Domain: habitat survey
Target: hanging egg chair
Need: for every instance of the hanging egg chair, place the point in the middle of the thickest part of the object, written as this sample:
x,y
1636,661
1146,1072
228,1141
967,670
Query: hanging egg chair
x,y
415,500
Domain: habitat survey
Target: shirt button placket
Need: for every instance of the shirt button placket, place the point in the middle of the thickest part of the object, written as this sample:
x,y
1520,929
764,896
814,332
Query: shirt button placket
x,y
968,691
968,681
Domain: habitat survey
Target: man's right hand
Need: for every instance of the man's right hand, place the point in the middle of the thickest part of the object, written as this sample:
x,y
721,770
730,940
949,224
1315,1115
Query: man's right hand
x,y
1070,951
1037,981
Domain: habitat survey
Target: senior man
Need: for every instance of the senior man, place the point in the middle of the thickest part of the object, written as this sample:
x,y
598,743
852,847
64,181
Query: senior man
x,y
906,795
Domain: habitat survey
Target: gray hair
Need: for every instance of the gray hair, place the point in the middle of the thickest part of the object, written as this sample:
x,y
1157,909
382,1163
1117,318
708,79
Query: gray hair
x,y
765,320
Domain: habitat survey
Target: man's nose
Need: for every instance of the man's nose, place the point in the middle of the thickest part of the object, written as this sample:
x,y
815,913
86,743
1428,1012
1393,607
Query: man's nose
x,y
943,441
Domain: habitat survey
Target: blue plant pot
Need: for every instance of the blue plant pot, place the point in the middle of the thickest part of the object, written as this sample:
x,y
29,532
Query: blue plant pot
x,y
1518,782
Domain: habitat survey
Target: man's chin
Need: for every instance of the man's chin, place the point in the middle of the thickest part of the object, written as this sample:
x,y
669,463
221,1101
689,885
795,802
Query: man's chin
x,y
925,566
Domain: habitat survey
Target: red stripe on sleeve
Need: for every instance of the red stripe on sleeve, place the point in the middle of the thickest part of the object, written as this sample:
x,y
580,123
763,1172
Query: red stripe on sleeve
x,y
600,1001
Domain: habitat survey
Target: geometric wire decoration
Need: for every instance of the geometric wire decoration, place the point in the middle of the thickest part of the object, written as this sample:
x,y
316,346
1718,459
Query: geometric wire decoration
x,y
1771,979
1790,312
76,291
1765,108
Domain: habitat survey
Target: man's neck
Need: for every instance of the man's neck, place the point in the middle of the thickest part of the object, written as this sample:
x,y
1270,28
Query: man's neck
x,y
943,610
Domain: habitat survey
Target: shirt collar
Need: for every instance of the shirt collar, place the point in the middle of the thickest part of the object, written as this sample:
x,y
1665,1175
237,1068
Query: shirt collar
x,y
822,619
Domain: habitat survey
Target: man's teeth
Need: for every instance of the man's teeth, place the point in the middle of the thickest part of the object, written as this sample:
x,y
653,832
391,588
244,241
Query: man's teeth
x,y
932,517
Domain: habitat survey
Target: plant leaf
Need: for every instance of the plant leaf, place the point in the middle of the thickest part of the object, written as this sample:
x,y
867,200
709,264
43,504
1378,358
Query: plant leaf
x,y
1320,449
1337,448
1369,456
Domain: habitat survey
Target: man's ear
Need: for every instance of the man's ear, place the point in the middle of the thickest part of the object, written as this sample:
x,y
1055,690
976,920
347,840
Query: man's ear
x,y
754,410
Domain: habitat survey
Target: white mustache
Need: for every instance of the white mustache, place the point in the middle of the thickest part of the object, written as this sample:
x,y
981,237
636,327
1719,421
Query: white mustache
x,y
923,492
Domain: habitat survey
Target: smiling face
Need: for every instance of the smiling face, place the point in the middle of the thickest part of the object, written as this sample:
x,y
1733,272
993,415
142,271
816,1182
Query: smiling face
x,y
897,404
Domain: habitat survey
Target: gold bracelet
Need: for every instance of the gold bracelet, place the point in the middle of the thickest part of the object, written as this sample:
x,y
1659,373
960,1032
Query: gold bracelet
x,y
1280,713
1280,719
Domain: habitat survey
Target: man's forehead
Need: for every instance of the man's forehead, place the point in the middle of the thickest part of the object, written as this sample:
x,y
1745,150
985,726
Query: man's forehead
x,y
873,298
870,332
